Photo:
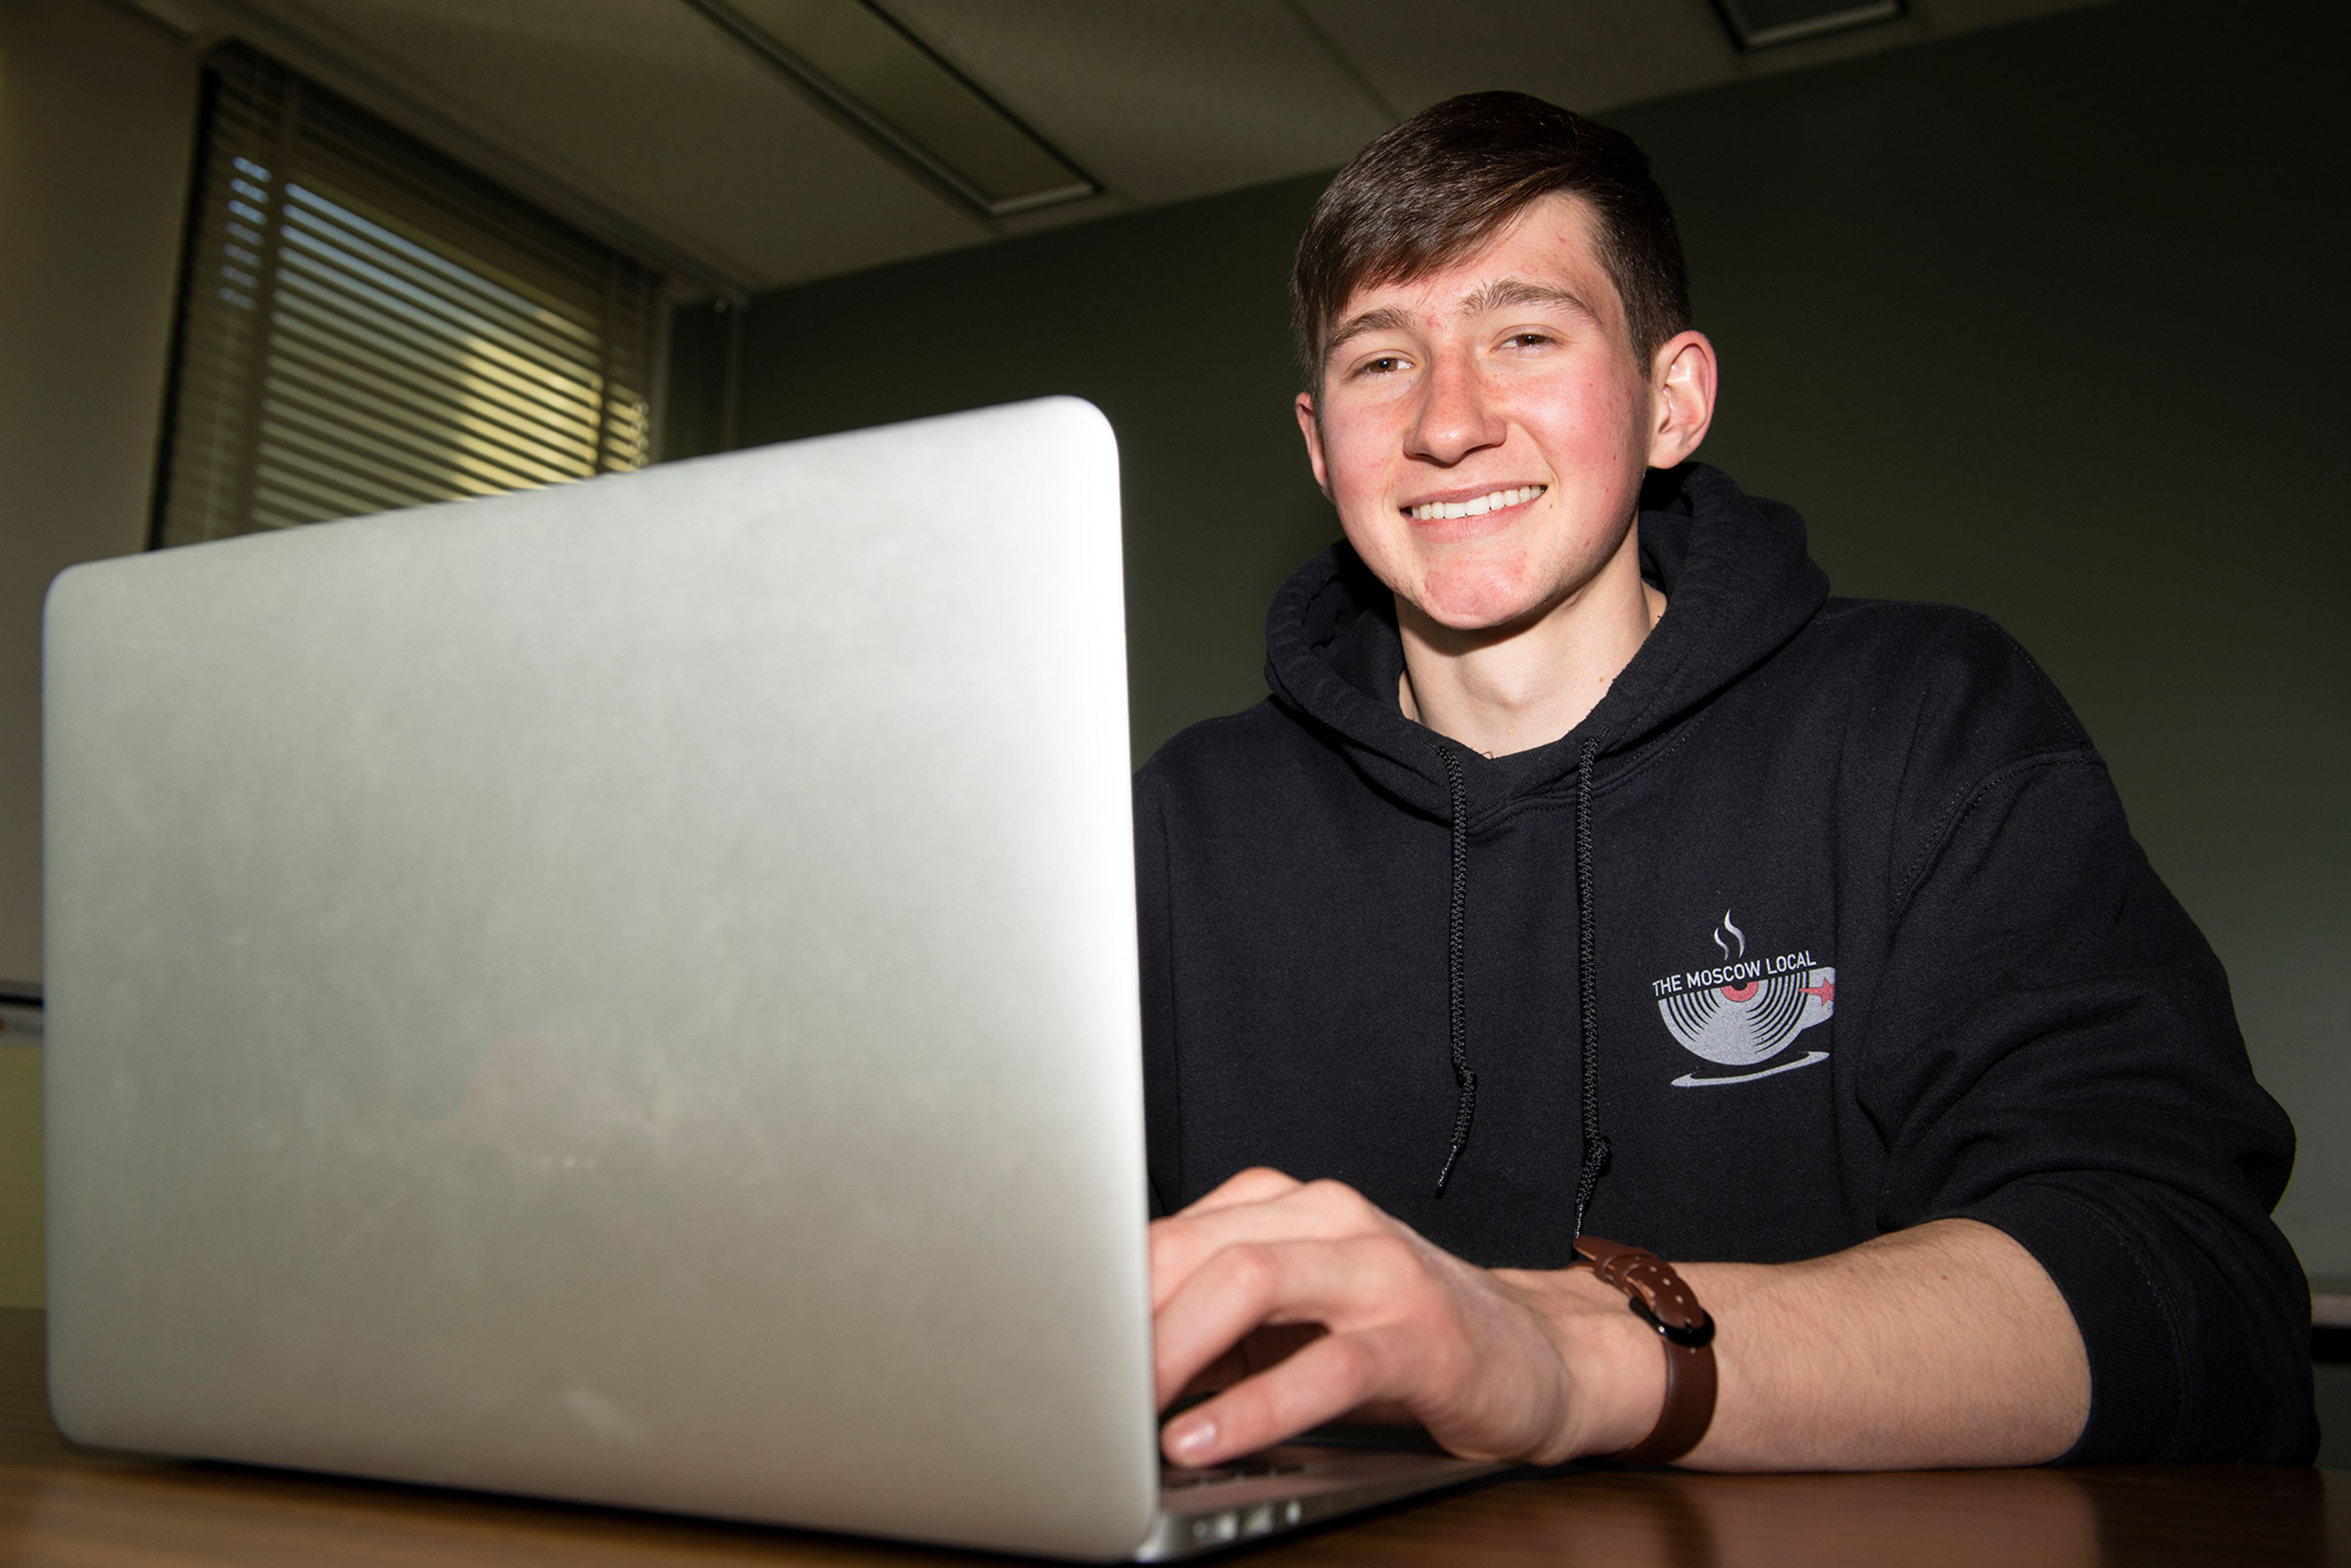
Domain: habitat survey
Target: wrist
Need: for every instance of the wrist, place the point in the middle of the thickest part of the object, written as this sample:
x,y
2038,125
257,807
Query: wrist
x,y
1612,1375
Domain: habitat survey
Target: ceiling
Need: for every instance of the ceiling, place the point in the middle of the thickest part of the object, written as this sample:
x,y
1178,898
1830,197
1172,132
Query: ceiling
x,y
645,122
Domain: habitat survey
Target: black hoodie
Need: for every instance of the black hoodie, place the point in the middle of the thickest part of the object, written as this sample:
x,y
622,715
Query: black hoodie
x,y
1867,943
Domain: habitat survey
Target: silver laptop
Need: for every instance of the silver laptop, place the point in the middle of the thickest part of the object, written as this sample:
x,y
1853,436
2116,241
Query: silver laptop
x,y
627,993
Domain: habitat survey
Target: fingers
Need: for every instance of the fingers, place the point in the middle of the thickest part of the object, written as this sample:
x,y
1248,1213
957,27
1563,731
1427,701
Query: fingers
x,y
1321,1382
1220,1374
1270,1345
1205,1317
1281,1210
1264,1261
1258,1184
1339,1284
1260,1349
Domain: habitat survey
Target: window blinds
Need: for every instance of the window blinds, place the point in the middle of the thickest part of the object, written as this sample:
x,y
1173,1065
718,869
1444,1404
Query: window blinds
x,y
368,325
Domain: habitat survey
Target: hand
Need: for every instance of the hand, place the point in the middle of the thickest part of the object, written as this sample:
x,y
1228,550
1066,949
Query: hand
x,y
1509,1364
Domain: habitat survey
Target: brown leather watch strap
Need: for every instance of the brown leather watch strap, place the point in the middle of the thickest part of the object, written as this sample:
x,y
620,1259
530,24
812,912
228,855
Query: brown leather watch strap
x,y
1659,1296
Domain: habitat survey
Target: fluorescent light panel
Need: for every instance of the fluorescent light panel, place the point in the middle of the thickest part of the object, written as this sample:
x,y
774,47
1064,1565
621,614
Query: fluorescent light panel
x,y
1760,24
875,73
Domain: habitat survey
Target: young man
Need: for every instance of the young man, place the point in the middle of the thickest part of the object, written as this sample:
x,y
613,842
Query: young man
x,y
1591,870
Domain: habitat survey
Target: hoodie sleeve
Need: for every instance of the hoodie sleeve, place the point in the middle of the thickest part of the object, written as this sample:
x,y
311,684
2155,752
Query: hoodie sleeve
x,y
2054,1053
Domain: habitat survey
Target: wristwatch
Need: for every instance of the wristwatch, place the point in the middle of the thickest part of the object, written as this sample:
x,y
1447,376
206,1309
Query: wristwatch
x,y
1659,1298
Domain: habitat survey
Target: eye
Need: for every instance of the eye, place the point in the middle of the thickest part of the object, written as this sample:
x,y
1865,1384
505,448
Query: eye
x,y
1527,339
1381,365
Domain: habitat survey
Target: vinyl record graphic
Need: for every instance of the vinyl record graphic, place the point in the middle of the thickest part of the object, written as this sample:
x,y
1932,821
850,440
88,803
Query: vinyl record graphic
x,y
1741,1025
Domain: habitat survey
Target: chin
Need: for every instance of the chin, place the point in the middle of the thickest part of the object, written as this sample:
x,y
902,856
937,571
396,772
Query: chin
x,y
1477,599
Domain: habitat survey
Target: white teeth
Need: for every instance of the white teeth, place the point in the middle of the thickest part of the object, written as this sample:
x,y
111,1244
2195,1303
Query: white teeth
x,y
1493,501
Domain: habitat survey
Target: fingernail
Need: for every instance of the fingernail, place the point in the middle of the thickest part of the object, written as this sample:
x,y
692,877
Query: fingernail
x,y
1191,1438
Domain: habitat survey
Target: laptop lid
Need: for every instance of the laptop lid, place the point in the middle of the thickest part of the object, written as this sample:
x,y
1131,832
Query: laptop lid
x,y
621,992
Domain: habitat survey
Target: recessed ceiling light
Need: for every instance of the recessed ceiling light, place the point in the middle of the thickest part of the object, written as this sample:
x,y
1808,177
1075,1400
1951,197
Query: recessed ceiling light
x,y
1760,24
859,62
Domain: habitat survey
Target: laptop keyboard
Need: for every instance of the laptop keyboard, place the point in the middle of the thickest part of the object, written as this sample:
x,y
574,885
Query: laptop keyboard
x,y
1174,1479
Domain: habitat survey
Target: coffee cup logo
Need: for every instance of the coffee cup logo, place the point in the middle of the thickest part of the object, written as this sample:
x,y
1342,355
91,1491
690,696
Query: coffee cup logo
x,y
1745,1013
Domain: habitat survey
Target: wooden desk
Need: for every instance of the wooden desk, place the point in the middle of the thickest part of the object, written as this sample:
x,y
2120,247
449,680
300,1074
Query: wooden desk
x,y
62,1506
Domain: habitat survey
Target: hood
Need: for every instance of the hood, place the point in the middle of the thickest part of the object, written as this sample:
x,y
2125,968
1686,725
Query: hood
x,y
1738,586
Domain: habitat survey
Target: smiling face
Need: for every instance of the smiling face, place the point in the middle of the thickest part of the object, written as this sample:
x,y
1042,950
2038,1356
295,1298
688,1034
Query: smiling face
x,y
1483,430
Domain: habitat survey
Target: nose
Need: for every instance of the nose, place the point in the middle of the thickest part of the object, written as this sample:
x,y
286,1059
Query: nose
x,y
1454,419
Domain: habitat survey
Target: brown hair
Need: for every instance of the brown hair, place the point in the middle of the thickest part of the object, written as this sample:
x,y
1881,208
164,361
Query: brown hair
x,y
1436,188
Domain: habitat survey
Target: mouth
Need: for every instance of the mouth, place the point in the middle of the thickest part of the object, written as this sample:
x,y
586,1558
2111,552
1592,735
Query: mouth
x,y
1475,506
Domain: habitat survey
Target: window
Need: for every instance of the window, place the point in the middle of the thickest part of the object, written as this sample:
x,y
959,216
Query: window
x,y
367,325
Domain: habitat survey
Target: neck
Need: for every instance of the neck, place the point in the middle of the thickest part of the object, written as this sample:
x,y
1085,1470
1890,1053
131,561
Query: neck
x,y
1514,688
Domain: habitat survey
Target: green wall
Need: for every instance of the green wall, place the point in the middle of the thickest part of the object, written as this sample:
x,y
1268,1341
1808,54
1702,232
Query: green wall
x,y
1174,321
2050,321
2045,320
97,122
20,1174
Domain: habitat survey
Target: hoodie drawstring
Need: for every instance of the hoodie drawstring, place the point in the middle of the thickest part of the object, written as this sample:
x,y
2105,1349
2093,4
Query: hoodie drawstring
x,y
1587,981
1587,988
1455,933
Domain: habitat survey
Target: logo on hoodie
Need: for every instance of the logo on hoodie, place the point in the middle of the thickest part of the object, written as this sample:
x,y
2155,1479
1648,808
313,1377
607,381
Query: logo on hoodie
x,y
1745,1013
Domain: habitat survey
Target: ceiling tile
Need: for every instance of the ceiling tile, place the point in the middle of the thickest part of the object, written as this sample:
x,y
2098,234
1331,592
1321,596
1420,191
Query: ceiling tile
x,y
1160,100
648,106
1597,55
656,119
1588,57
1967,16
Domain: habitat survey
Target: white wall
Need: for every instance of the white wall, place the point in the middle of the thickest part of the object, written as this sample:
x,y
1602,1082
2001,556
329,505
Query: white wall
x,y
97,120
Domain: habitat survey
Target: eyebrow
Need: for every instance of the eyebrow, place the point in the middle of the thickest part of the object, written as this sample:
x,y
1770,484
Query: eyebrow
x,y
1386,320
1505,292
1500,295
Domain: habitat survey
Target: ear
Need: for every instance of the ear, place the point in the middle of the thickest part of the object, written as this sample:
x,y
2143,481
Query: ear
x,y
1681,398
1312,429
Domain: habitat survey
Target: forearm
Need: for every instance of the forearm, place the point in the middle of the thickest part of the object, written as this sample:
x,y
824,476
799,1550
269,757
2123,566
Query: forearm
x,y
1943,1345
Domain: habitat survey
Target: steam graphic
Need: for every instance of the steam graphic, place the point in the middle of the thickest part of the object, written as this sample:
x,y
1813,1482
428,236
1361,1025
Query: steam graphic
x,y
1727,954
